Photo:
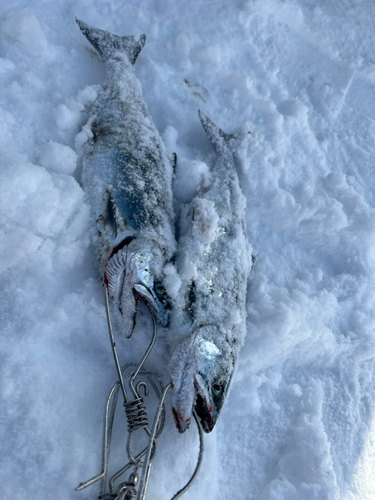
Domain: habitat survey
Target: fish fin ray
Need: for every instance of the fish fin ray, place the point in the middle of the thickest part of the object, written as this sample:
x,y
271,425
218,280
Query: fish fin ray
x,y
216,136
107,44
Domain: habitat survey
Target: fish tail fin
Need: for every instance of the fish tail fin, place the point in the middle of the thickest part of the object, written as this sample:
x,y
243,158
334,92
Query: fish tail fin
x,y
218,139
107,44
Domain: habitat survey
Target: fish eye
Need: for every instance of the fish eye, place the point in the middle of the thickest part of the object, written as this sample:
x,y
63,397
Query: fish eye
x,y
217,389
160,290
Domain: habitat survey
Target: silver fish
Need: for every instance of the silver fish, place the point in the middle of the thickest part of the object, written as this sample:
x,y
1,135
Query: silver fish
x,y
214,261
127,175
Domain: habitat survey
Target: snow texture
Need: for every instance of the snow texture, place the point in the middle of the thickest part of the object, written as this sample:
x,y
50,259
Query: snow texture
x,y
298,75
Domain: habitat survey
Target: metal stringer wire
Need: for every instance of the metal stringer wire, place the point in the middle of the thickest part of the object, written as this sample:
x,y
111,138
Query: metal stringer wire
x,y
137,419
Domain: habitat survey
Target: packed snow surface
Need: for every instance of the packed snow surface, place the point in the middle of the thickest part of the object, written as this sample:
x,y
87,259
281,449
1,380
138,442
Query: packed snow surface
x,y
298,423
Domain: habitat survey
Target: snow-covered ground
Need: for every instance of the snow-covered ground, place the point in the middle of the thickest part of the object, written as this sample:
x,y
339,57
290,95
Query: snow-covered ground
x,y
300,76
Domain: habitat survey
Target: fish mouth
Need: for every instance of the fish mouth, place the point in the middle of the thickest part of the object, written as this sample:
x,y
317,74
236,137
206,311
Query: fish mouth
x,y
181,423
204,411
158,309
146,296
204,406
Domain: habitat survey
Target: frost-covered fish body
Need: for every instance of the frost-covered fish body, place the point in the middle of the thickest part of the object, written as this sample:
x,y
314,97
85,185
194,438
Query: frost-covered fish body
x,y
127,176
214,262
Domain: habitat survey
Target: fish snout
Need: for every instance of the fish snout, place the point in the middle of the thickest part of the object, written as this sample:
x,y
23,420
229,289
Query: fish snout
x,y
161,310
206,412
181,423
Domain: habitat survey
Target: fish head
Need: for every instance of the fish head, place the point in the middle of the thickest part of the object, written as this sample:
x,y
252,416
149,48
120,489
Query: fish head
x,y
214,369
135,271
201,369
154,294
146,268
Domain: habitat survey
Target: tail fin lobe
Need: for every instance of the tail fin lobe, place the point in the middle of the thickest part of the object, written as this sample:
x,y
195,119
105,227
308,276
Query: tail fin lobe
x,y
216,136
107,44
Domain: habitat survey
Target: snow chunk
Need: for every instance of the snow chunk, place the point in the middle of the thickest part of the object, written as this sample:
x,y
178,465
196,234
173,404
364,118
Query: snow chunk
x,y
24,27
68,117
170,136
83,136
188,271
87,96
182,50
190,176
205,220
209,57
35,199
294,390
172,281
71,116
58,157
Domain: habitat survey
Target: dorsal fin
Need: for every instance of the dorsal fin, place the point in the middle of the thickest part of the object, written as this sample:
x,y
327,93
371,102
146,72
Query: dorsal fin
x,y
216,136
107,44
